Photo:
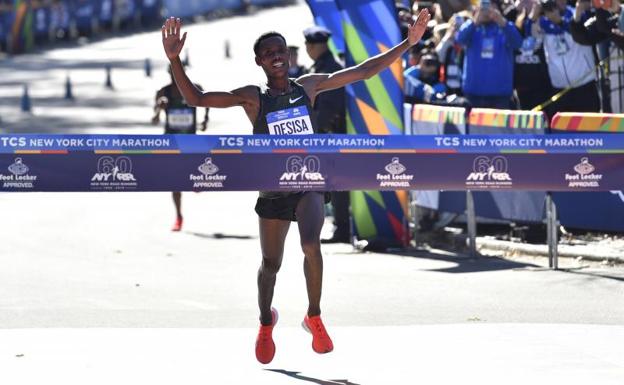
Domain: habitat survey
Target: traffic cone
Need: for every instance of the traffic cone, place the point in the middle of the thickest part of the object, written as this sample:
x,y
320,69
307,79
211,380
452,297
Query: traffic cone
x,y
148,68
26,105
227,49
109,82
69,95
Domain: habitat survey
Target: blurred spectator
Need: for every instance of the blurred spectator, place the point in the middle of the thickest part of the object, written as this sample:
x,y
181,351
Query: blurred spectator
x,y
531,80
85,17
610,21
593,27
150,13
489,40
59,20
6,7
571,66
451,55
295,69
434,11
405,18
41,20
330,110
422,81
126,14
448,8
106,14
414,54
329,105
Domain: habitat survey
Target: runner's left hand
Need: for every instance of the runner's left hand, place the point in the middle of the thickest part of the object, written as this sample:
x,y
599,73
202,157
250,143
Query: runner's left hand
x,y
417,30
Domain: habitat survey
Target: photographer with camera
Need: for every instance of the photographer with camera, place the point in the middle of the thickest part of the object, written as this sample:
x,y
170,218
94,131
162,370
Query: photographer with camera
x,y
531,79
604,25
489,41
593,25
422,81
451,54
571,66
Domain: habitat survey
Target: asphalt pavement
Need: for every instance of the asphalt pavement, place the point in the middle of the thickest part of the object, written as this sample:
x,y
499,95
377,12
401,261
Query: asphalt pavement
x,y
95,289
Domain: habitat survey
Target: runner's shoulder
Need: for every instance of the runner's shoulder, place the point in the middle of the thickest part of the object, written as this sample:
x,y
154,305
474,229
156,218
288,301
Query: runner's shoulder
x,y
249,93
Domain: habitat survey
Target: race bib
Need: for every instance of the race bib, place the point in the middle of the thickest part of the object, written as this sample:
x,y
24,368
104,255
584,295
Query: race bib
x,y
291,121
181,119
561,46
487,48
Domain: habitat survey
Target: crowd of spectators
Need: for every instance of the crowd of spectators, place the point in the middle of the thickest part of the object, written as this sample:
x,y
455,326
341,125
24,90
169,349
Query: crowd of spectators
x,y
518,54
28,23
25,24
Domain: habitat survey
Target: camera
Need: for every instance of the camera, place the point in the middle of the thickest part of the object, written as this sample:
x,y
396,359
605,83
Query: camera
x,y
548,5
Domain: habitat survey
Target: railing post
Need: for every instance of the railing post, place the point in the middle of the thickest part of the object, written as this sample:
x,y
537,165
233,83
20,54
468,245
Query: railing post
x,y
471,222
551,231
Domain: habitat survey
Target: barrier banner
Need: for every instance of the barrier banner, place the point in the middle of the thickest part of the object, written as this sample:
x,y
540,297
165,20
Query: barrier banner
x,y
587,122
596,211
311,162
438,120
494,121
525,206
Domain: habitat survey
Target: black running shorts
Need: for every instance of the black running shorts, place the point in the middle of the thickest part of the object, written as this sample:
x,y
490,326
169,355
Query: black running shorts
x,y
283,208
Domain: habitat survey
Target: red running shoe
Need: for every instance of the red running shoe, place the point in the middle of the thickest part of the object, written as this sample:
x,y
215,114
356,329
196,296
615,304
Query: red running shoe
x,y
265,347
177,226
321,343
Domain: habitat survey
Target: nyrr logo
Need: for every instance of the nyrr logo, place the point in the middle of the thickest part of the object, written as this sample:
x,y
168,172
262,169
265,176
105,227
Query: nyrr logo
x,y
489,172
114,174
303,169
302,172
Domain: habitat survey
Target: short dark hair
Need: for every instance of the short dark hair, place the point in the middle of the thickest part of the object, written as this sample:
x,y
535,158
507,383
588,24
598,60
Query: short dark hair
x,y
264,37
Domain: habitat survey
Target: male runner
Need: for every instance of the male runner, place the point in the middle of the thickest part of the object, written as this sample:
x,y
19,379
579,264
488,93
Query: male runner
x,y
277,209
180,119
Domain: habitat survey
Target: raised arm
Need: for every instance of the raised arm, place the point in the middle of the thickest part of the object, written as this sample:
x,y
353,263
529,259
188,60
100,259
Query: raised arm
x,y
317,83
173,44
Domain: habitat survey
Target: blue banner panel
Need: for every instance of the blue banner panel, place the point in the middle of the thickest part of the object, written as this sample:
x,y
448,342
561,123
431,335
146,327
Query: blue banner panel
x,y
311,162
586,144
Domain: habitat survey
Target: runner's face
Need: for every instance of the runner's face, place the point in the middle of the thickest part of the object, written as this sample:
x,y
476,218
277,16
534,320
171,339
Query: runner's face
x,y
273,56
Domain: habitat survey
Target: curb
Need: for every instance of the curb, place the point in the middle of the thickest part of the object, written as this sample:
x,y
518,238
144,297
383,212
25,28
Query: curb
x,y
587,252
458,242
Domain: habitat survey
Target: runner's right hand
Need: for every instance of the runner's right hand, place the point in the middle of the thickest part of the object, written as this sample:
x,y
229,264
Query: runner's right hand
x,y
172,43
